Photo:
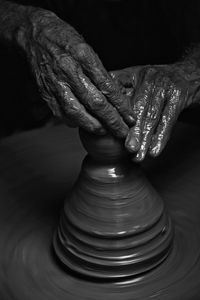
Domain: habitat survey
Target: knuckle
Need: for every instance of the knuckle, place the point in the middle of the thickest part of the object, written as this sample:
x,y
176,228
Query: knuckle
x,y
67,62
82,50
98,104
64,59
108,86
163,81
153,77
150,71
115,122
71,108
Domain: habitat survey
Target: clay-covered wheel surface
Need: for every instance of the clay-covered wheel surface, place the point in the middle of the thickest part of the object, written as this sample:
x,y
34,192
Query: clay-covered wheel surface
x,y
37,171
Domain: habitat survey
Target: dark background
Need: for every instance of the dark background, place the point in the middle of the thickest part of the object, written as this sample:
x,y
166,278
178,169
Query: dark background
x,y
123,33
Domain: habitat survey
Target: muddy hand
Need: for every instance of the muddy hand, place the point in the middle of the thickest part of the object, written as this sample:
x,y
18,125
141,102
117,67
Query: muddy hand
x,y
159,94
71,77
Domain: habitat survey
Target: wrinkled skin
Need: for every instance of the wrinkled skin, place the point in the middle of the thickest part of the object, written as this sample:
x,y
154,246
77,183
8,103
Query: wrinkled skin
x,y
77,88
71,77
158,95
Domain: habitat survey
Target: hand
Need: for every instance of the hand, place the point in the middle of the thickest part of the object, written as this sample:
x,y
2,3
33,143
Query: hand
x,y
158,95
71,77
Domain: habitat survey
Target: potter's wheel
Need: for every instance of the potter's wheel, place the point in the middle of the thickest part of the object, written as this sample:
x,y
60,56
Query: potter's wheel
x,y
38,168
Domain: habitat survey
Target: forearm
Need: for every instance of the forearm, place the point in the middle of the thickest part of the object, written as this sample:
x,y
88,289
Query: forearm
x,y
12,17
189,68
16,19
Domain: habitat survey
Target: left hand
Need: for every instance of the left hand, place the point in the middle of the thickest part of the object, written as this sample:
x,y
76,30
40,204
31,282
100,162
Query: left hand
x,y
158,95
70,76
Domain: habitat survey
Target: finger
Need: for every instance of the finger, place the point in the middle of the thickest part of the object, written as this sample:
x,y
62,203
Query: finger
x,y
75,112
44,83
122,77
125,81
152,119
127,76
92,98
69,71
162,135
57,109
99,76
134,137
69,107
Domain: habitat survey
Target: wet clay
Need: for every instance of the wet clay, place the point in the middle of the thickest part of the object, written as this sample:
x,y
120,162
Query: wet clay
x,y
39,168
114,224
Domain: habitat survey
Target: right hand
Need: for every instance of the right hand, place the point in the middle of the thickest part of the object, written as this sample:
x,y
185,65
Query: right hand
x,y
71,77
158,93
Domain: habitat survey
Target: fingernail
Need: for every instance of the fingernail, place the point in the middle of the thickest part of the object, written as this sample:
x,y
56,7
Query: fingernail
x,y
139,157
132,143
154,151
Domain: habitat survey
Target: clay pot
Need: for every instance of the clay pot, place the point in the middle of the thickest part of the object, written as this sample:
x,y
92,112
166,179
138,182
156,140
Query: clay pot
x,y
113,224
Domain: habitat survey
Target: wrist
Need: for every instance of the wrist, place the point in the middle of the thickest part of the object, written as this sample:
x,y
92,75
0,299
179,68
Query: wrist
x,y
31,23
43,25
11,17
17,21
188,71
